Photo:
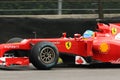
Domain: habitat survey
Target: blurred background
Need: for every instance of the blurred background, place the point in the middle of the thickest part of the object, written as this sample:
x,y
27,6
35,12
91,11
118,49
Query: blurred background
x,y
49,18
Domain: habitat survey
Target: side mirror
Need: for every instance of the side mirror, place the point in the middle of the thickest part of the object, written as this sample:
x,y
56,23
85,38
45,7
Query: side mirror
x,y
77,35
64,35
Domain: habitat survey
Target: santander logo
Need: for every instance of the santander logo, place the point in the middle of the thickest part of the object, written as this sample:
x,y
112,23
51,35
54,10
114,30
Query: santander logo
x,y
115,61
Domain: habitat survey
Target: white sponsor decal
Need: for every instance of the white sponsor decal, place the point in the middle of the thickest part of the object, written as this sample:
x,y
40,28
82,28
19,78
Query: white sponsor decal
x,y
117,37
56,42
115,61
11,46
80,60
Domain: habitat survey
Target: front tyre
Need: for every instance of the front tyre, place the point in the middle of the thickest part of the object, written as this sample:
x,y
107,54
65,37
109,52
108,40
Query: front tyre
x,y
44,55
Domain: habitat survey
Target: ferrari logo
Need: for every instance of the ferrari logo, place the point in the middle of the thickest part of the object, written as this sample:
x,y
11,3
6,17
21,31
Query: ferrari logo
x,y
68,45
114,30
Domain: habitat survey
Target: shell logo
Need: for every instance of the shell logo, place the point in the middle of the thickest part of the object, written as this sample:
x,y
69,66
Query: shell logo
x,y
104,47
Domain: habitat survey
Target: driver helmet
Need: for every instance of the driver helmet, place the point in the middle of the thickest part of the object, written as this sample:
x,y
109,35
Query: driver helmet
x,y
88,34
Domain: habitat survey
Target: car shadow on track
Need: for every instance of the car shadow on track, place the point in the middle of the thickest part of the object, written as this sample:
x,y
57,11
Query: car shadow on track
x,y
18,68
93,66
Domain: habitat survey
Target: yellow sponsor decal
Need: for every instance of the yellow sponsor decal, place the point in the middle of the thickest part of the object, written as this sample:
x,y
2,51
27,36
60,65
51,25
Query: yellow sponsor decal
x,y
104,47
68,45
114,30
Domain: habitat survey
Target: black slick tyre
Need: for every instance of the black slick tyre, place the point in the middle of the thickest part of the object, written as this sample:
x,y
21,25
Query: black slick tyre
x,y
14,40
44,55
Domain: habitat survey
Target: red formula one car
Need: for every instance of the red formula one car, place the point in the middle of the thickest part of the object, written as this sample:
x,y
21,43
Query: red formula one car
x,y
100,46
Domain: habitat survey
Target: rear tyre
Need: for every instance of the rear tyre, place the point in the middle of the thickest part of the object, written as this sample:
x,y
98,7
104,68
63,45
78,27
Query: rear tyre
x,y
14,40
44,55
18,53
